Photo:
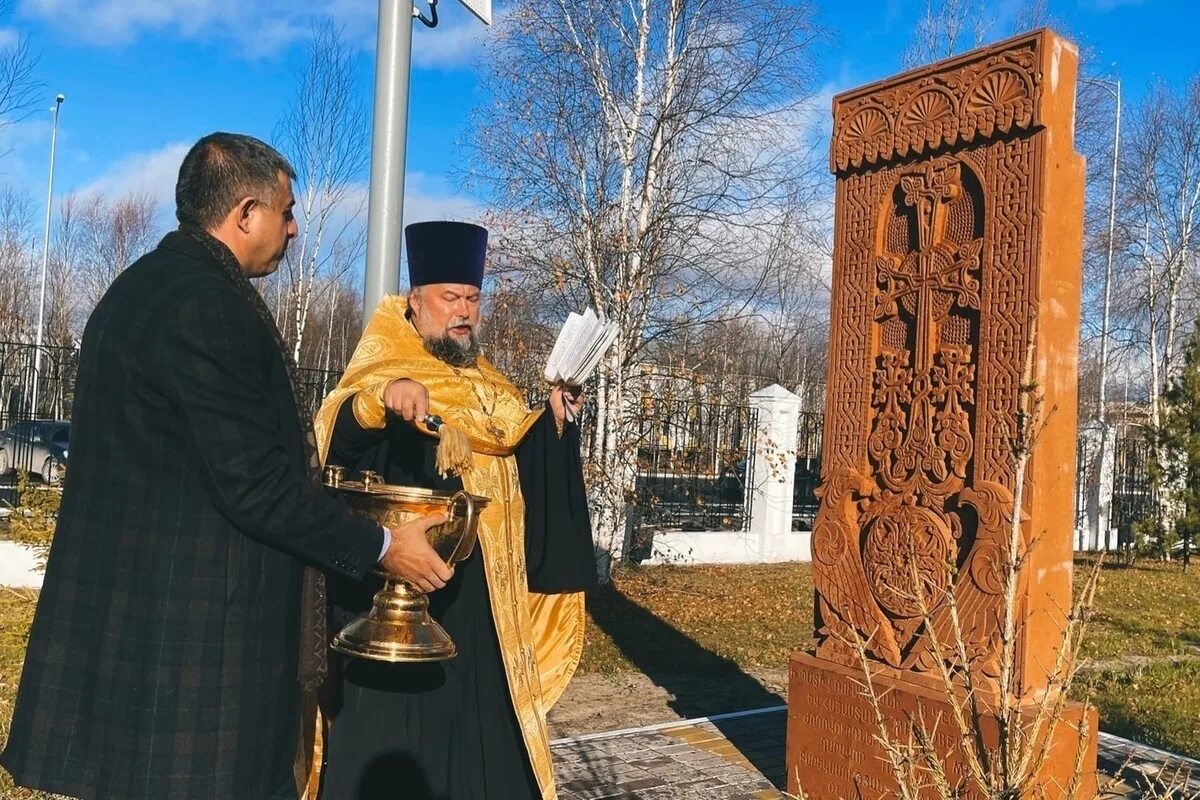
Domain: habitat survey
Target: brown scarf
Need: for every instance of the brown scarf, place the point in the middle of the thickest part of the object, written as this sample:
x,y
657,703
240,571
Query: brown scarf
x,y
313,625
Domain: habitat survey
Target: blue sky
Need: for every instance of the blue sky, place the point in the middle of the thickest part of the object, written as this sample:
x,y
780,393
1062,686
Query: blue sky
x,y
145,78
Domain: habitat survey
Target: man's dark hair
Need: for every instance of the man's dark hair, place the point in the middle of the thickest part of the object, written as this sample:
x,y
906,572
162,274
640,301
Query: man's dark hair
x,y
220,170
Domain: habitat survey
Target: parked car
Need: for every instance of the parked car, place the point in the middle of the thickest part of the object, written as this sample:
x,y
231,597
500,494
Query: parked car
x,y
38,446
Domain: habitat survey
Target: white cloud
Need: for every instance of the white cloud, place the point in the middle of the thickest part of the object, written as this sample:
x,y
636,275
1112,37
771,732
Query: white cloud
x,y
427,197
261,27
1103,6
457,41
25,151
152,173
9,37
119,21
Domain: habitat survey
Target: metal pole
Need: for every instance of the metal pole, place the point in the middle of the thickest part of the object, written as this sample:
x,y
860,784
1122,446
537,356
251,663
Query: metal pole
x,y
37,349
385,213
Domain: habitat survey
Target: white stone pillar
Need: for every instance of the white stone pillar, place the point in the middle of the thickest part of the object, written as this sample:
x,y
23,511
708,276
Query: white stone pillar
x,y
773,477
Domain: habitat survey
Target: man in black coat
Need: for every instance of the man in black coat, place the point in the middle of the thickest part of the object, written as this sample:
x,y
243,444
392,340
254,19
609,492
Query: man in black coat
x,y
164,657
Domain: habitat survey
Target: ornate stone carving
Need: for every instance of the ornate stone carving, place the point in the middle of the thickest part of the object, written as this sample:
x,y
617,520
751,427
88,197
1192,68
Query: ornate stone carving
x,y
975,97
937,293
924,310
957,248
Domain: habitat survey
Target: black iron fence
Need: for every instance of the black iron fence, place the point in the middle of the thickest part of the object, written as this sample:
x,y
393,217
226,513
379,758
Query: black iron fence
x,y
314,385
1134,498
36,382
694,464
37,389
808,469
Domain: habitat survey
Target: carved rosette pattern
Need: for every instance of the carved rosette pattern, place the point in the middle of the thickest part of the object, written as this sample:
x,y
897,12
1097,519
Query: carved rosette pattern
x,y
997,94
932,303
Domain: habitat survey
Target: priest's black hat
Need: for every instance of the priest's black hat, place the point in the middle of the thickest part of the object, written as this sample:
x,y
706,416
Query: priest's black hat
x,y
445,252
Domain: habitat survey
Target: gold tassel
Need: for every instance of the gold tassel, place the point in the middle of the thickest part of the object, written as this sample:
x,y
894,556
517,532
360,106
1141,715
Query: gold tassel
x,y
454,455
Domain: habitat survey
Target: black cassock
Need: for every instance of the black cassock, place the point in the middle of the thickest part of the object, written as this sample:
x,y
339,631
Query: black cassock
x,y
447,730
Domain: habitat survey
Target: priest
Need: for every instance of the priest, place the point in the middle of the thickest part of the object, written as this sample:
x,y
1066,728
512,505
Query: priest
x,y
473,727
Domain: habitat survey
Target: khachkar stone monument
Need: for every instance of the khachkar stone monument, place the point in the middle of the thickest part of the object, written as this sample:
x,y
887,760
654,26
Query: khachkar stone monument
x,y
959,223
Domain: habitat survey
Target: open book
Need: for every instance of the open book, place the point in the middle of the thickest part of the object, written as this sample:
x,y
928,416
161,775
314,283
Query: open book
x,y
582,342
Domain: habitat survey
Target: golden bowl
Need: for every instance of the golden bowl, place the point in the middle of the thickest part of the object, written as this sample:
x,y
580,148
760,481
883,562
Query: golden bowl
x,y
399,628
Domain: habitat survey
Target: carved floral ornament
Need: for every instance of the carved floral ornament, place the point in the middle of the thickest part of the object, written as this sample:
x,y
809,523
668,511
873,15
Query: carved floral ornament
x,y
917,520
996,95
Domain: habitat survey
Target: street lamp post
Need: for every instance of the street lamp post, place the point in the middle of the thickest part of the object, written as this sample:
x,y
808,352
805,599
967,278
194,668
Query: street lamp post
x,y
389,135
37,348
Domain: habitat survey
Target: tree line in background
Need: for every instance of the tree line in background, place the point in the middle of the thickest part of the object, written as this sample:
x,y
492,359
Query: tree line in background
x,y
666,167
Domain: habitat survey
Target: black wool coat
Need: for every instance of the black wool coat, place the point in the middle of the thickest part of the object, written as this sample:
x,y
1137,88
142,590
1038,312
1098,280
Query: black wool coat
x,y
163,657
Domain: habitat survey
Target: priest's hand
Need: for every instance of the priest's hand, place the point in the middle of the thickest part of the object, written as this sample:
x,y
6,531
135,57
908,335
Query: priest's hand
x,y
412,558
407,399
566,402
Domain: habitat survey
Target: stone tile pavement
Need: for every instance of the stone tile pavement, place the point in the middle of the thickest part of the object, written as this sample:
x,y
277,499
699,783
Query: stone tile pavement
x,y
1139,763
732,756
740,756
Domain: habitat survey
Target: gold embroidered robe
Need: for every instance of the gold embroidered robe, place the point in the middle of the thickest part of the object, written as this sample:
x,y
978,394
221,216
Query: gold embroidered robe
x,y
541,636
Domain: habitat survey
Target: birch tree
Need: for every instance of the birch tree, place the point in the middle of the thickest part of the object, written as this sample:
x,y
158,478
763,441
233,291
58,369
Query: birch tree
x,y
1162,219
113,233
946,28
19,85
640,153
324,135
16,289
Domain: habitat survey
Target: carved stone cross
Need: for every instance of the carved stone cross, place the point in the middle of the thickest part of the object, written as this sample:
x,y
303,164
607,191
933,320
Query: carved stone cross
x,y
939,272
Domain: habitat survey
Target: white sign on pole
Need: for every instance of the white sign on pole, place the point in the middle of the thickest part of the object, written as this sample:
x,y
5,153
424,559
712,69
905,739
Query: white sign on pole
x,y
480,8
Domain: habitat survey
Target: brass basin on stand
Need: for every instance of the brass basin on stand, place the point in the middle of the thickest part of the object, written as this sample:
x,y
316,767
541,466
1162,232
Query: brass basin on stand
x,y
398,627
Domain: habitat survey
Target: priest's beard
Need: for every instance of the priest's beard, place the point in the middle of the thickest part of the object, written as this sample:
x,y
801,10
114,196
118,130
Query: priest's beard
x,y
452,351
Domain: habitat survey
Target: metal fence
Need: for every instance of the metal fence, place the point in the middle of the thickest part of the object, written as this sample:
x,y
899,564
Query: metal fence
x,y
1134,498
54,378
314,385
808,469
36,395
694,463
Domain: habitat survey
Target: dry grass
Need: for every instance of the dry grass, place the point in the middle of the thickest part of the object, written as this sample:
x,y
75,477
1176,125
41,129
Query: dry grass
x,y
1152,609
16,615
756,615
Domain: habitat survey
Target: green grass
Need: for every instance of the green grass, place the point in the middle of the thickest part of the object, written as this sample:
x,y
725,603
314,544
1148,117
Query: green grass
x,y
1148,610
756,615
1157,705
714,619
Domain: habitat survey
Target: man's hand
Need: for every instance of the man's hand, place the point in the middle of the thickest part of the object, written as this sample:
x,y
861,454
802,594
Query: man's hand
x,y
410,557
407,399
566,398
